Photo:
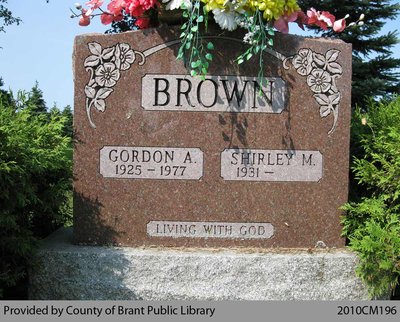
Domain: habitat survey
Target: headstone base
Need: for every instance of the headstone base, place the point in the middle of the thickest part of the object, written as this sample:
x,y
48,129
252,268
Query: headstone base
x,y
69,272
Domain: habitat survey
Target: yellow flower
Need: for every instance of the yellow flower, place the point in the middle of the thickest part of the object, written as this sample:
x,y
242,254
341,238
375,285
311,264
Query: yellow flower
x,y
272,9
214,4
224,4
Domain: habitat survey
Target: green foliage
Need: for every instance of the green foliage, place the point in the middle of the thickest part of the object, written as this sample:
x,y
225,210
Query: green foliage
x,y
261,38
36,101
192,45
35,181
372,223
375,72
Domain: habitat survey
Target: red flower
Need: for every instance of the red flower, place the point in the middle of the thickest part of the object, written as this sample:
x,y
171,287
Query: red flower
x,y
84,21
107,18
85,18
322,19
302,19
136,8
142,23
116,7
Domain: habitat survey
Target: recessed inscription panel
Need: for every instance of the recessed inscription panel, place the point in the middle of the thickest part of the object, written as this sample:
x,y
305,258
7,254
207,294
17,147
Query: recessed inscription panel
x,y
271,165
190,229
151,163
213,94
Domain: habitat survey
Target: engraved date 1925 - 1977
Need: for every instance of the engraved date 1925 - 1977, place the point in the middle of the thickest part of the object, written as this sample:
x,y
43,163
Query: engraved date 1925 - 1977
x,y
137,170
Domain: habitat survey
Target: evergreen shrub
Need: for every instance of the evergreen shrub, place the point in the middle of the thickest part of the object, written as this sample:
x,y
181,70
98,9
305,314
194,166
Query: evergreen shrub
x,y
372,223
35,182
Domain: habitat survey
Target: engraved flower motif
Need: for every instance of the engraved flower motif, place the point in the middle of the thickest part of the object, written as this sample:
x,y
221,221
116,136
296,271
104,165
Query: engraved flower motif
x,y
303,62
107,75
319,81
124,56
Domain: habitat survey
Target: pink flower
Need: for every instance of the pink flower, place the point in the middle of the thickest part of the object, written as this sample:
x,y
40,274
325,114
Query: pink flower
x,y
322,19
339,25
328,18
107,18
143,23
136,8
282,24
85,18
116,6
94,4
84,21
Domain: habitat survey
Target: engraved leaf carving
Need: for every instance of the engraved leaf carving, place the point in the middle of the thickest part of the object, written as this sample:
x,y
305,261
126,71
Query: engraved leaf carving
x,y
92,61
90,92
324,111
95,48
100,105
327,103
335,98
103,93
321,99
334,68
319,59
108,52
332,55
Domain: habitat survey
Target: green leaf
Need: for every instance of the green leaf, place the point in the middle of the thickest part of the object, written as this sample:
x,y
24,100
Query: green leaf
x,y
193,73
240,61
209,56
248,56
194,28
200,18
210,46
184,26
196,63
188,44
270,42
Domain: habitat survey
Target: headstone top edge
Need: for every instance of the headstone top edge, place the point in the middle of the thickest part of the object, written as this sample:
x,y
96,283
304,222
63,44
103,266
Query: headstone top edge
x,y
81,37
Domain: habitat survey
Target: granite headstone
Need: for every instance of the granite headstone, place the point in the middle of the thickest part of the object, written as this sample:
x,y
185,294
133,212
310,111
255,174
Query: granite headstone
x,y
165,159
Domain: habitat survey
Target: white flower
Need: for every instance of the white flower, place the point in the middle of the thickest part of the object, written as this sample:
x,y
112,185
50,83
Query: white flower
x,y
177,4
225,18
124,56
303,61
319,81
106,75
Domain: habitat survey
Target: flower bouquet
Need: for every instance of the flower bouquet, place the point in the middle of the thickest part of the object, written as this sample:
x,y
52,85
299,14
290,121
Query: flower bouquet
x,y
259,18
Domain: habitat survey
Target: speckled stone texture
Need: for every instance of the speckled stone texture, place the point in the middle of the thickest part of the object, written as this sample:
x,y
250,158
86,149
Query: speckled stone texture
x,y
108,95
68,272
